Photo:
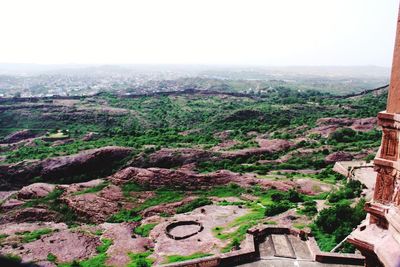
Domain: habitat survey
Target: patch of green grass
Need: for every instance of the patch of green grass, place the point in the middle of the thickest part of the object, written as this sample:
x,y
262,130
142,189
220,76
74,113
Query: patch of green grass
x,y
194,204
106,243
140,259
131,187
94,189
178,258
51,257
96,261
125,216
242,224
3,236
229,203
162,196
53,202
35,235
13,257
145,229
231,190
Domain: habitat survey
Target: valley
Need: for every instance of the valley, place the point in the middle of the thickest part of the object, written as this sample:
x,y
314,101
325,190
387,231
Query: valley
x,y
105,175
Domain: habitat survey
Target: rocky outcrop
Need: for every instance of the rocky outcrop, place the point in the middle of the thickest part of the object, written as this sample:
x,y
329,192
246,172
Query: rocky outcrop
x,y
169,158
18,136
29,215
96,207
246,114
267,146
123,243
66,245
154,178
89,163
338,156
326,126
36,190
167,208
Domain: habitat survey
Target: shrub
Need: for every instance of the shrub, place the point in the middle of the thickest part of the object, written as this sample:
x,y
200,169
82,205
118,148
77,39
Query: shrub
x,y
276,208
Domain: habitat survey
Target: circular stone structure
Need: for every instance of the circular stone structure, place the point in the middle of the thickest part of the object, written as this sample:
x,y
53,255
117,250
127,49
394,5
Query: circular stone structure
x,y
183,229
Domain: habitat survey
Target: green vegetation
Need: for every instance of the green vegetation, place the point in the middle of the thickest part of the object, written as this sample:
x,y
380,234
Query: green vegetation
x,y
351,190
333,224
230,190
309,208
35,235
52,202
51,257
198,202
145,229
96,261
140,259
93,189
125,216
13,257
178,258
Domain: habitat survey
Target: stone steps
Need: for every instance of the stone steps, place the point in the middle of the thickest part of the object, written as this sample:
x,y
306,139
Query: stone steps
x,y
284,246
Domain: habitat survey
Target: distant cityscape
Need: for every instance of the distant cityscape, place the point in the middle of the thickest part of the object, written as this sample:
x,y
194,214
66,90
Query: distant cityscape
x,y
42,80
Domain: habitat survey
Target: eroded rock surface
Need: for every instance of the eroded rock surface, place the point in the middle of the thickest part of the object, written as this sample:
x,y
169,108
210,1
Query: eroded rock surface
x,y
90,162
36,190
123,243
338,156
96,207
65,245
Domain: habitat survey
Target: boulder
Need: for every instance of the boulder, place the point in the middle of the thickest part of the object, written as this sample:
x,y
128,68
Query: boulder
x,y
169,158
29,215
338,156
96,207
65,245
88,163
18,136
36,190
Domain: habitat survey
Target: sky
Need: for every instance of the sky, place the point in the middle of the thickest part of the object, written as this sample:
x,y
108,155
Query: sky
x,y
237,32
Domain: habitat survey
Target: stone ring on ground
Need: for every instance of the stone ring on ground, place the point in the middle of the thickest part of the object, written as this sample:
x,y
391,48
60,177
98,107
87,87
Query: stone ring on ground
x,y
183,229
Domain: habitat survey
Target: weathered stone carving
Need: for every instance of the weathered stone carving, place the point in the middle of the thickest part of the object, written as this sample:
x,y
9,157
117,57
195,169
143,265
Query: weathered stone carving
x,y
396,194
389,144
385,184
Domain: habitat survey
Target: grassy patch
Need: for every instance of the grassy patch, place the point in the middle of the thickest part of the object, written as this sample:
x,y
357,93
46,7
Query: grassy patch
x,y
94,189
96,261
12,257
231,190
140,259
242,224
162,196
144,230
51,257
35,235
196,203
53,202
131,187
125,216
178,258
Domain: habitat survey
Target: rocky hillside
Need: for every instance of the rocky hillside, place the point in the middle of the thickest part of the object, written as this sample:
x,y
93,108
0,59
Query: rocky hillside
x,y
104,175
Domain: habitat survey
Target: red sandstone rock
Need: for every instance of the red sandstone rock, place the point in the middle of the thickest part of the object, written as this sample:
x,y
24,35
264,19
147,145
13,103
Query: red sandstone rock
x,y
167,157
36,190
18,136
123,243
326,126
89,162
96,207
338,156
65,245
29,215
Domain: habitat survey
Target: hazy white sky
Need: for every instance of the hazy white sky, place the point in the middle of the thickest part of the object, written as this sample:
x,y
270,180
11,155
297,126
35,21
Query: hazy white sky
x,y
267,32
